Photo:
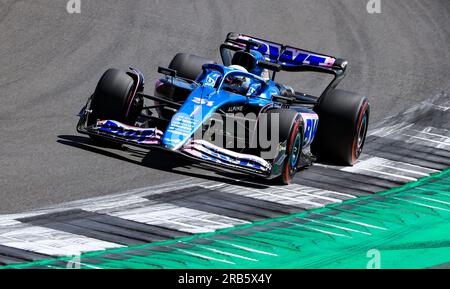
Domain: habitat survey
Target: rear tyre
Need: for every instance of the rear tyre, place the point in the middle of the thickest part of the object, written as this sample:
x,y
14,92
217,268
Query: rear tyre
x,y
113,100
188,65
291,135
342,130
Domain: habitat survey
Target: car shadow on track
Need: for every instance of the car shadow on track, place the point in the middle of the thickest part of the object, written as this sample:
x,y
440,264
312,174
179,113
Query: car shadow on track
x,y
164,161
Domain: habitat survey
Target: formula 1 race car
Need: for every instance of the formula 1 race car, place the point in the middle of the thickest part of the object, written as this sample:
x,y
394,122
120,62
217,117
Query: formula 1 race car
x,y
234,116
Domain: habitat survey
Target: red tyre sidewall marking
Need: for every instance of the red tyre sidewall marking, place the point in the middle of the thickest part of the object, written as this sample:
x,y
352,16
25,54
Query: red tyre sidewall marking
x,y
291,141
132,95
361,114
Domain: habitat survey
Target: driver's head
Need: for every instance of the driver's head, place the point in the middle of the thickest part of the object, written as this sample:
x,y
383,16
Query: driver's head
x,y
238,67
238,81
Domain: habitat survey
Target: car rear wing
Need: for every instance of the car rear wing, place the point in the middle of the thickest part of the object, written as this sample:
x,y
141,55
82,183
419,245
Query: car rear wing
x,y
287,58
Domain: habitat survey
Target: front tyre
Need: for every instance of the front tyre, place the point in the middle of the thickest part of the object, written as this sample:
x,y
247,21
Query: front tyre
x,y
115,99
293,154
290,137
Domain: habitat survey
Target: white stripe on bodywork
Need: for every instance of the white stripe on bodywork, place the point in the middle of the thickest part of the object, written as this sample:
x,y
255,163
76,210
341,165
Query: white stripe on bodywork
x,y
232,157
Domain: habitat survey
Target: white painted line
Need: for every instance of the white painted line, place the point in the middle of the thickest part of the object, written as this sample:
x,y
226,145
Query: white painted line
x,y
332,200
440,107
274,197
422,205
180,226
338,227
130,197
354,222
434,190
205,257
178,218
358,171
221,224
388,130
83,264
318,230
229,254
50,242
167,223
398,165
248,249
428,140
406,171
112,203
323,192
214,186
430,133
292,195
434,200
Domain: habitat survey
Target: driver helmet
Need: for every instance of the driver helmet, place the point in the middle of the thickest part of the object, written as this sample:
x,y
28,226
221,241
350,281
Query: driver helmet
x,y
238,67
249,60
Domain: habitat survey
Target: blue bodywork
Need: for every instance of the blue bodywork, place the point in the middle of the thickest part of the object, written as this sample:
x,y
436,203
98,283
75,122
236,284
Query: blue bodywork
x,y
206,98
209,96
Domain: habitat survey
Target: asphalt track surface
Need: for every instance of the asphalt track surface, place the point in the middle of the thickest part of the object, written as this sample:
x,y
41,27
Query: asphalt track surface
x,y
51,61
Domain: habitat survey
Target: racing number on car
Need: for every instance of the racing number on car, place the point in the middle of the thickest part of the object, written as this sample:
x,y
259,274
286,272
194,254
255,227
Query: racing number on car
x,y
202,101
254,89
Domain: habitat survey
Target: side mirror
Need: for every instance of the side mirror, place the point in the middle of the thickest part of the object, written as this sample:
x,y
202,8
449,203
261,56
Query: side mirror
x,y
167,71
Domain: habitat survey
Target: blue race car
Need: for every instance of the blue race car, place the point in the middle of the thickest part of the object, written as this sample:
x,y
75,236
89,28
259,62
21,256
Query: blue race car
x,y
234,116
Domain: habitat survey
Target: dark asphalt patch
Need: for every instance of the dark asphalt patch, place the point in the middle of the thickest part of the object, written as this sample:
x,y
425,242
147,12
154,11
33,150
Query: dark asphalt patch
x,y
343,179
10,255
401,151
